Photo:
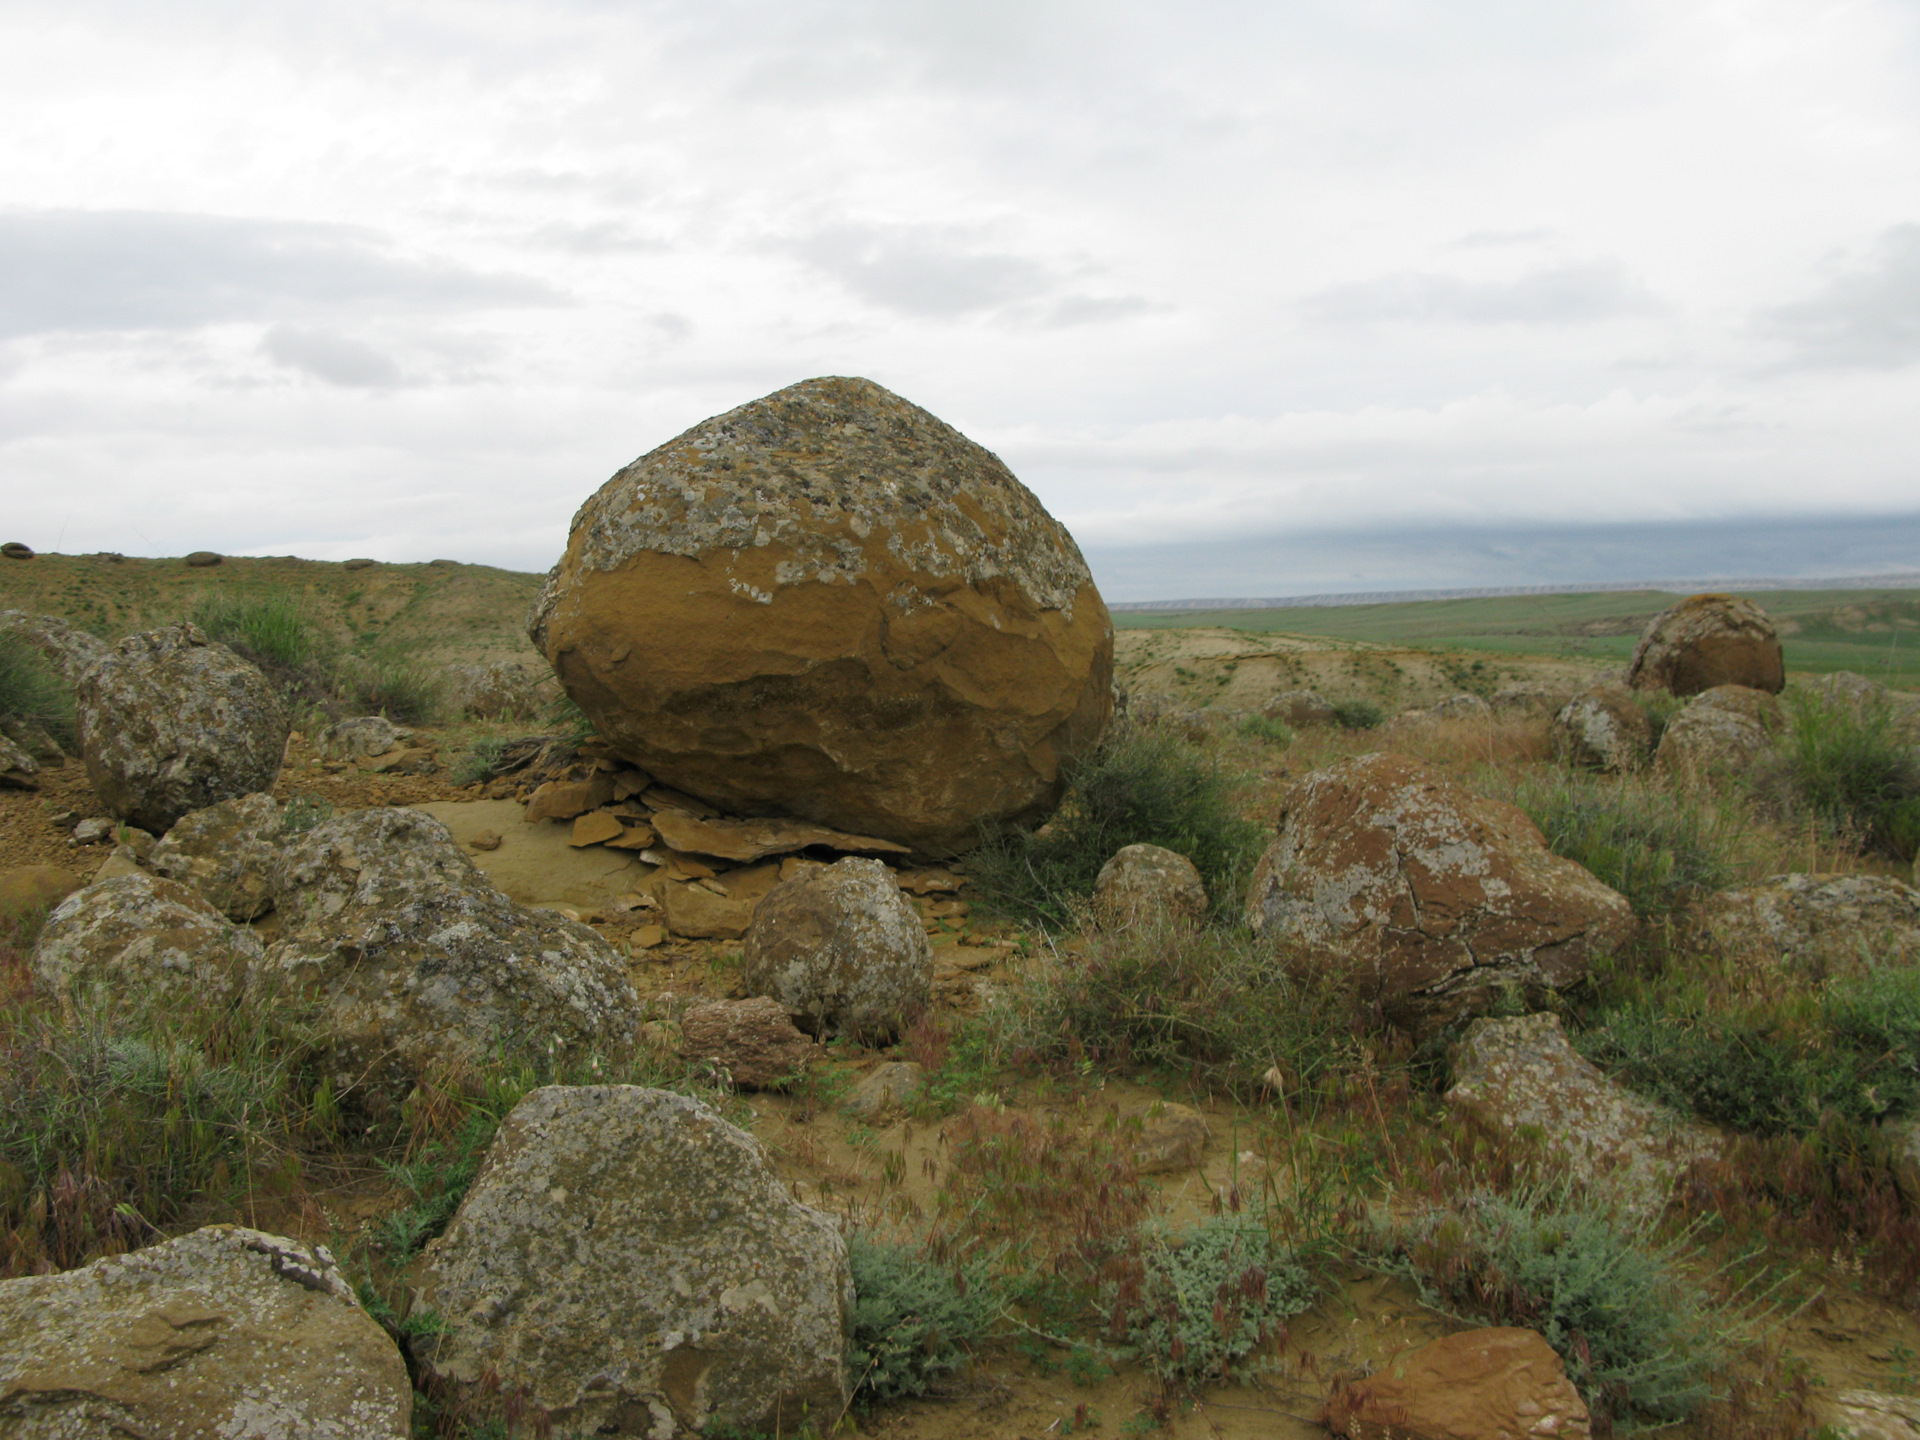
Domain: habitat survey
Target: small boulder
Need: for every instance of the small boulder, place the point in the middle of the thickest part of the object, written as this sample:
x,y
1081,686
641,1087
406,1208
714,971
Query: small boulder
x,y
30,889
138,935
1145,883
18,769
70,649
566,799
753,1041
1431,898
1717,734
888,1086
1520,1074
1816,925
32,737
204,559
1603,729
1172,1137
1708,640
500,690
222,1332
696,913
1499,1383
16,550
842,949
633,1263
420,964
228,852
172,722
829,604
363,736
1300,709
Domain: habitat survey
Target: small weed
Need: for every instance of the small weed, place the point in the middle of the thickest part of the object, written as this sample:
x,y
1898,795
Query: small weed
x,y
1270,731
914,1318
481,762
393,683
1358,714
1848,766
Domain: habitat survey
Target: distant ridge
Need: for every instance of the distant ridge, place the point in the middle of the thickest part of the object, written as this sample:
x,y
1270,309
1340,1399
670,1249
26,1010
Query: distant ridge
x,y
1905,580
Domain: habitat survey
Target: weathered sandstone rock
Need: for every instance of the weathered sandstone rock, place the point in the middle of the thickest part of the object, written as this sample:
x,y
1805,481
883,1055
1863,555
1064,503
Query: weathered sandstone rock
x,y
1434,899
70,649
1521,1074
1147,883
139,935
225,1332
1603,729
842,949
228,852
171,722
1815,924
1499,1383
754,1041
634,1262
828,603
362,735
419,962
755,839
1718,733
1708,640
697,913
1300,709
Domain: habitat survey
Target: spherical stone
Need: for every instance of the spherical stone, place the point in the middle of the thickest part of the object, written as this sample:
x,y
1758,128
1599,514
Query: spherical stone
x,y
829,603
1146,883
1603,729
170,722
1709,640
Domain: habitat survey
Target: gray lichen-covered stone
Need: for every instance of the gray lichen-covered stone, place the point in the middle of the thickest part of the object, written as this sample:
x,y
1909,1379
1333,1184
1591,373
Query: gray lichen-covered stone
x,y
419,963
633,1263
362,735
223,1334
228,852
138,935
830,604
1603,729
171,722
1145,883
70,649
841,948
1520,1074
1815,924
17,767
1430,899
1718,734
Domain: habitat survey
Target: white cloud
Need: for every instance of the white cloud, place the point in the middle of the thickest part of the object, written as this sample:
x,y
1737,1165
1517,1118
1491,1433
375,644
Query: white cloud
x,y
1865,316
336,359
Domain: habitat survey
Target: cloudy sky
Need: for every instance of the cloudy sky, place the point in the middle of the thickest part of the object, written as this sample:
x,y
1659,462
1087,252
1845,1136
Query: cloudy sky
x,y
411,278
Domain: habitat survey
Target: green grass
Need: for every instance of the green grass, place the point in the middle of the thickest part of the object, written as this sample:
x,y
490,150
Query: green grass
x,y
1141,786
270,628
392,682
1851,769
32,692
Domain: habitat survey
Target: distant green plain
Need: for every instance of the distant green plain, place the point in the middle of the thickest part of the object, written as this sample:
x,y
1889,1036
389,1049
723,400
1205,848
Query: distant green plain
x,y
1873,632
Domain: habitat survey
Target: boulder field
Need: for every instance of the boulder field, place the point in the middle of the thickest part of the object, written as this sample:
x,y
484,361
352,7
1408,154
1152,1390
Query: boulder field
x,y
828,603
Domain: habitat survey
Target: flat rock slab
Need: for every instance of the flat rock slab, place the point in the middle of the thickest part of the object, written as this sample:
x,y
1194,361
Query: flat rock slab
x,y
1521,1073
537,864
756,839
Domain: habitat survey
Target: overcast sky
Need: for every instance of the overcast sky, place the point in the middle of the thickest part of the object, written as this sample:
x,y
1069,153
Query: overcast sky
x,y
410,280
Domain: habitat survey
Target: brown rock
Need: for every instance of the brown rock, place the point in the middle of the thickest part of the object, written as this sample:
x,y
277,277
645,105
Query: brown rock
x,y
754,1041
485,840
361,737
699,914
645,937
635,837
564,799
1521,1074
1603,729
412,760
842,950
16,550
1709,640
1145,883
596,828
1172,1137
754,839
204,559
224,1332
1493,1384
29,889
827,603
1433,899
1717,734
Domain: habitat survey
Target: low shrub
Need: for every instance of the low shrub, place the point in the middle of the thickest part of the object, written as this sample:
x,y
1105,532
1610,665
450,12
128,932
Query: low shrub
x,y
1358,714
392,683
1263,728
481,762
1658,848
1196,1303
1633,1325
914,1319
269,628
32,692
1848,766
1140,786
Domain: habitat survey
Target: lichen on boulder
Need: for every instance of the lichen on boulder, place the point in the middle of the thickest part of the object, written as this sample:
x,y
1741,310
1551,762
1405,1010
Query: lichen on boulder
x,y
830,604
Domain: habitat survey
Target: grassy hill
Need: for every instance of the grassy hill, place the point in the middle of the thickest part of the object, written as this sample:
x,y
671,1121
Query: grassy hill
x,y
442,612
1874,632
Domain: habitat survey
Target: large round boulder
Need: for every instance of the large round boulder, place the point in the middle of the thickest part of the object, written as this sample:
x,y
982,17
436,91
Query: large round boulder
x,y
1432,899
141,935
1718,734
170,722
1709,640
841,948
421,966
223,1332
632,1263
829,603
1603,729
228,852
